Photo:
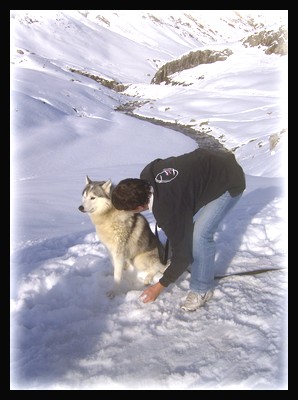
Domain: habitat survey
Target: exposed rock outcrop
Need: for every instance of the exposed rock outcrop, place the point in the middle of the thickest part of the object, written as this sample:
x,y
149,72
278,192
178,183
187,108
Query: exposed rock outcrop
x,y
274,41
191,60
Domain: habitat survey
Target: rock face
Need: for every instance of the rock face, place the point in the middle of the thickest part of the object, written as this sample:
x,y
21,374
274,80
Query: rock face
x,y
274,41
191,60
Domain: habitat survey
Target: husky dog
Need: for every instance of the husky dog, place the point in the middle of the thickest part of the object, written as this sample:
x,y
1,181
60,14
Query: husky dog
x,y
126,234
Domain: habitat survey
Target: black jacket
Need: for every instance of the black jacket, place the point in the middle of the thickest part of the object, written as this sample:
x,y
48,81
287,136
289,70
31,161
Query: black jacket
x,y
182,185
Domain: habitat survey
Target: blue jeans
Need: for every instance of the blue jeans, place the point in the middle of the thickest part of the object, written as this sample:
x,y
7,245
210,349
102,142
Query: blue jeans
x,y
206,222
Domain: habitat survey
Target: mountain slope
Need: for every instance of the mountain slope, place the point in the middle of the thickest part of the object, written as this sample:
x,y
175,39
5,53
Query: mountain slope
x,y
126,49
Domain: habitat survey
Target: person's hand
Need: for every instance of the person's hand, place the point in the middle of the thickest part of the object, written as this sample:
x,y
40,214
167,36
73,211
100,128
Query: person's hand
x,y
151,293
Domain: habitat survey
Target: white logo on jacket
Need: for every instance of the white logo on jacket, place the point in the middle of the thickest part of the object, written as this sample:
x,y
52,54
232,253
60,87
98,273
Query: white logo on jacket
x,y
166,175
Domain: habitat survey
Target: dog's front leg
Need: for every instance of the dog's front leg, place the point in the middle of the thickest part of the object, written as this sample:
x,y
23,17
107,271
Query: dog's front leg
x,y
118,268
118,264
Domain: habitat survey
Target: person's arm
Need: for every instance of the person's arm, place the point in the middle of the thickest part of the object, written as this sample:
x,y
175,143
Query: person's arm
x,y
180,235
181,259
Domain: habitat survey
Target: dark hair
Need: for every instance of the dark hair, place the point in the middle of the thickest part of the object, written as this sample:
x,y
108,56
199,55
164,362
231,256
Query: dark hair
x,y
131,193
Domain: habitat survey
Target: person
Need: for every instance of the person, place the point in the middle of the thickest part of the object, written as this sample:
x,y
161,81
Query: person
x,y
189,196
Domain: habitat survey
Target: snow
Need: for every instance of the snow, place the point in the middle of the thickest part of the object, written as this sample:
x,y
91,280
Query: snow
x,y
66,333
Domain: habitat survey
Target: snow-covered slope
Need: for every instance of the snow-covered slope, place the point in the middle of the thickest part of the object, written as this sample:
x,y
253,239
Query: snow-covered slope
x,y
65,332
129,46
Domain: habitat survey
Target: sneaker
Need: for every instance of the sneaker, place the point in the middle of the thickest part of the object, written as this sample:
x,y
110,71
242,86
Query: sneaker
x,y
195,300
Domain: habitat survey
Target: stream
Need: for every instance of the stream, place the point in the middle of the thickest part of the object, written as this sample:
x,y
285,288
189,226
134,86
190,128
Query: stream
x,y
200,137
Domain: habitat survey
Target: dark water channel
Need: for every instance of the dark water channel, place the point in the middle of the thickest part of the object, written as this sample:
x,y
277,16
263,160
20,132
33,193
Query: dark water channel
x,y
200,137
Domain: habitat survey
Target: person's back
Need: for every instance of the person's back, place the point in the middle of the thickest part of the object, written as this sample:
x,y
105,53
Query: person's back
x,y
194,178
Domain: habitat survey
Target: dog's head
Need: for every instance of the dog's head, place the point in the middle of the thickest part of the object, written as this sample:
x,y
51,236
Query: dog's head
x,y
96,196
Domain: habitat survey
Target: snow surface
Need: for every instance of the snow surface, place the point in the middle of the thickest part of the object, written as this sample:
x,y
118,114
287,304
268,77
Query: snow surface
x,y
65,332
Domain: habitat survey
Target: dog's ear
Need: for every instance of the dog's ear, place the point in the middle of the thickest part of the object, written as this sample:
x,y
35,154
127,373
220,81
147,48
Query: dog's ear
x,y
107,186
88,180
